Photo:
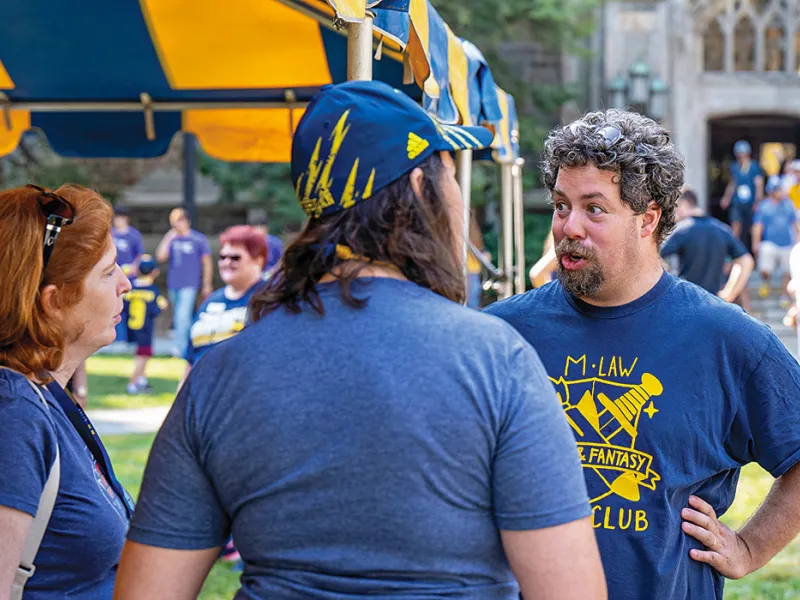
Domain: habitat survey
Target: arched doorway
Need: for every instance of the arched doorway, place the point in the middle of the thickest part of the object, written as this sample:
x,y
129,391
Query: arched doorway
x,y
772,137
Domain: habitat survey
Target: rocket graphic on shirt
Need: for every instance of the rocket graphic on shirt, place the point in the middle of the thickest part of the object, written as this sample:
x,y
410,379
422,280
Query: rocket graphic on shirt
x,y
605,402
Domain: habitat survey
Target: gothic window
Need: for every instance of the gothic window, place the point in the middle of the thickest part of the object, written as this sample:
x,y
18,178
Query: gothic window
x,y
749,35
744,49
797,52
760,6
714,47
774,46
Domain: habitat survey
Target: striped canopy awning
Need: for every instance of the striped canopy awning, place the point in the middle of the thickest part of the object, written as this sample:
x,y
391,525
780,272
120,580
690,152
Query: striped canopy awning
x,y
119,79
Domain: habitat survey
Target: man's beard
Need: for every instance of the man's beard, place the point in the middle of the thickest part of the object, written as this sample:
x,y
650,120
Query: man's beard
x,y
586,281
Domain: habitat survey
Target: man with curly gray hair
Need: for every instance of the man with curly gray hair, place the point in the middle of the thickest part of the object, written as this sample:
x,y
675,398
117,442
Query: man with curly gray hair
x,y
668,389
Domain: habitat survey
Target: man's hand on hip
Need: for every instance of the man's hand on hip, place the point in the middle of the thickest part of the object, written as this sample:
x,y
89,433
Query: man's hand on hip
x,y
725,550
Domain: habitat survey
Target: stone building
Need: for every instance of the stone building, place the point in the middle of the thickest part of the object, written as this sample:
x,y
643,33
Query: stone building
x,y
731,66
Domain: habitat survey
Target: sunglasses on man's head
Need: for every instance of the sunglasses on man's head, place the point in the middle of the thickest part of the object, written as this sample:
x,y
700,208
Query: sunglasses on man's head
x,y
231,257
608,135
58,213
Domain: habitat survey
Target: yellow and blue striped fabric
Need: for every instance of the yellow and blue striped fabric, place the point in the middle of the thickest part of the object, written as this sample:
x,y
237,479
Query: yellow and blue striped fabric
x,y
456,80
189,52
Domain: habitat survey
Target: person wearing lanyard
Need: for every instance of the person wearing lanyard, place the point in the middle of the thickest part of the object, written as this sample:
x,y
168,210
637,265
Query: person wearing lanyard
x,y
61,300
367,435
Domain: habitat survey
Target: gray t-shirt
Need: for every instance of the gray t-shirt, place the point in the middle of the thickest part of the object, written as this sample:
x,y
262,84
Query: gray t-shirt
x,y
372,451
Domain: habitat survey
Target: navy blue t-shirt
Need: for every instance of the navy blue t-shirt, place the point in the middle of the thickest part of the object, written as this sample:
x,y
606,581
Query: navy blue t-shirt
x,y
142,305
667,396
81,548
372,451
702,244
744,182
219,318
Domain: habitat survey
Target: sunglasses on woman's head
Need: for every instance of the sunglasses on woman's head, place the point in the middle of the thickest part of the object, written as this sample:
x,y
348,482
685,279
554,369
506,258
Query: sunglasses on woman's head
x,y
58,212
231,257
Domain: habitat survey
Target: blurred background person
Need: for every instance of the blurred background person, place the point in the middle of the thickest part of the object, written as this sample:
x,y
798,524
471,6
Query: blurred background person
x,y
223,314
61,300
130,247
127,241
143,305
190,269
744,191
545,268
702,245
274,243
367,435
774,233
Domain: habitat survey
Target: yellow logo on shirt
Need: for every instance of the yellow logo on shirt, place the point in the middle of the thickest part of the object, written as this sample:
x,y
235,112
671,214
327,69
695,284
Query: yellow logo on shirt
x,y
604,415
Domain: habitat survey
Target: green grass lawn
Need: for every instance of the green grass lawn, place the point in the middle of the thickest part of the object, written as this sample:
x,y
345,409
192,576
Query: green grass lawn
x,y
109,375
780,579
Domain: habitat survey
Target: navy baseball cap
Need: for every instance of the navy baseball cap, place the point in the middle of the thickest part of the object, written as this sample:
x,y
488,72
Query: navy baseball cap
x,y
358,137
147,264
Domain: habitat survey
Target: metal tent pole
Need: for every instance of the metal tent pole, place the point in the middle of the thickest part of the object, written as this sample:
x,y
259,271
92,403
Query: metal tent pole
x,y
359,49
506,245
519,227
464,171
189,175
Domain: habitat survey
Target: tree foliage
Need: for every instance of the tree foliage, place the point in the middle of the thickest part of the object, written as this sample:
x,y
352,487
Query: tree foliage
x,y
547,25
267,185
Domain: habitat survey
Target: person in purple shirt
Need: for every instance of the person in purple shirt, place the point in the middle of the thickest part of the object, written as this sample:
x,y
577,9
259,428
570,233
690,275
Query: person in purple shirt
x,y
130,248
127,240
274,243
190,270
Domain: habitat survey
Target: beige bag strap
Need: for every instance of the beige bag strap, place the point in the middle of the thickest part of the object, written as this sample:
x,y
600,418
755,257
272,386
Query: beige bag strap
x,y
47,501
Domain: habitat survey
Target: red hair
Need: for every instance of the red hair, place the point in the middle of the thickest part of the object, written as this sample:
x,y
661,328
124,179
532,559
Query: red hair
x,y
244,235
32,342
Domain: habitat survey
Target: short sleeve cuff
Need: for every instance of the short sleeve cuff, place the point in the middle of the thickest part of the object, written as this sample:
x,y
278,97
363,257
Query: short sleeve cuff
x,y
20,504
560,516
785,465
171,540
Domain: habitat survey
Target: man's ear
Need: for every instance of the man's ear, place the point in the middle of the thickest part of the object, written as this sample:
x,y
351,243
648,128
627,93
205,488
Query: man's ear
x,y
49,302
650,220
417,179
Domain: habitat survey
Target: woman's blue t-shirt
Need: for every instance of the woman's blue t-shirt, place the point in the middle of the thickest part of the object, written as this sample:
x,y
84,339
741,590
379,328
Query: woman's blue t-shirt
x,y
80,551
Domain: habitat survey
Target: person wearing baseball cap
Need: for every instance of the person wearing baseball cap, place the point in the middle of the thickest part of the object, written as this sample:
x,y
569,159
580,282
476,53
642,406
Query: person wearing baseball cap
x,y
367,435
744,191
774,233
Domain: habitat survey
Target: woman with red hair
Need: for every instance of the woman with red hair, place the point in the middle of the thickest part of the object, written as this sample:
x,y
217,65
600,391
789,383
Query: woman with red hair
x,y
61,300
222,315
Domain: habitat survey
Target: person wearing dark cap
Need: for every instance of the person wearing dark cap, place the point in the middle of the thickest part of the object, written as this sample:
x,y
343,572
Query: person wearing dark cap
x,y
367,435
143,305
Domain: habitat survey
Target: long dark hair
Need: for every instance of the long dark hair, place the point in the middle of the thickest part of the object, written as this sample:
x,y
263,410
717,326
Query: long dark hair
x,y
393,227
